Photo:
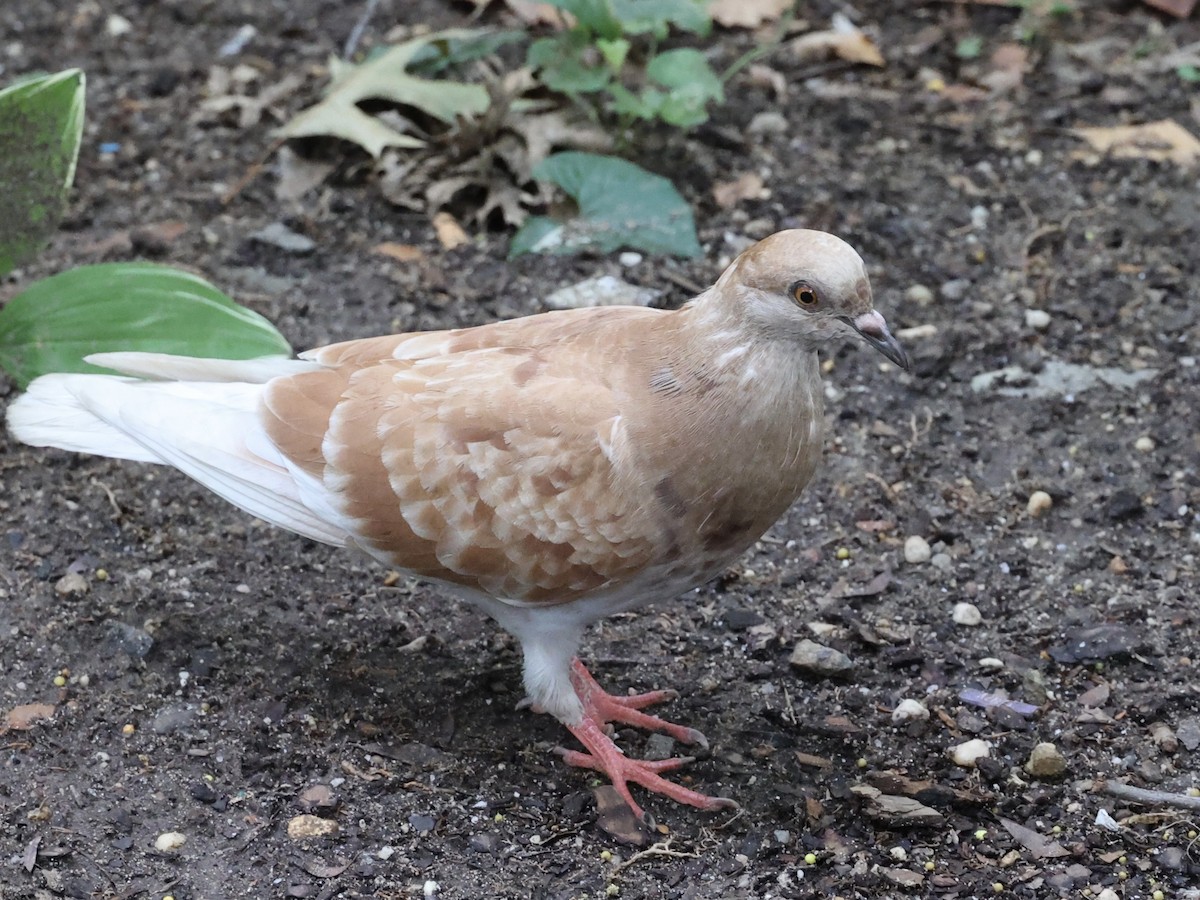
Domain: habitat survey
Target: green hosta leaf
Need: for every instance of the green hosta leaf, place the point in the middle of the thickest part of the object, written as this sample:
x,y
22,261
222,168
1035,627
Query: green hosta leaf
x,y
386,77
41,125
560,65
620,205
54,323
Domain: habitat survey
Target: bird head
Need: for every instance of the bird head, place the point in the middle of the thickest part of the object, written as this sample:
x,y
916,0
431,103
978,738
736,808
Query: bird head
x,y
810,286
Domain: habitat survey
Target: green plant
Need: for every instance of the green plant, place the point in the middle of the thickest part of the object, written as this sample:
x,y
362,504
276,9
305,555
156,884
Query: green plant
x,y
609,60
54,323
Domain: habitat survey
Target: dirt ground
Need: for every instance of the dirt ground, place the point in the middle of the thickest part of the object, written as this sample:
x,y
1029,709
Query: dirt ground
x,y
220,678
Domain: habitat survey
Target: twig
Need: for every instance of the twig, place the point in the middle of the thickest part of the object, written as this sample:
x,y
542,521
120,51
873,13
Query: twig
x,y
251,173
360,26
662,848
1142,795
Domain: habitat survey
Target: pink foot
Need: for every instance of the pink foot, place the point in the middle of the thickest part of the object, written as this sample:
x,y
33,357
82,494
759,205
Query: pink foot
x,y
599,708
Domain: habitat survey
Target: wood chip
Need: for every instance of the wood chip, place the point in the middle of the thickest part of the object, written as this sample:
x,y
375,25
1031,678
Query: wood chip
x,y
22,718
405,253
449,233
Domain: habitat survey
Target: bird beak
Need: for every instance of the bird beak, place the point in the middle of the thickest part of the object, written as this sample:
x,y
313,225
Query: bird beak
x,y
874,331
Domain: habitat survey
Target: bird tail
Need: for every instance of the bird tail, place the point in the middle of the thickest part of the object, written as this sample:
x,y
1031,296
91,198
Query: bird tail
x,y
199,415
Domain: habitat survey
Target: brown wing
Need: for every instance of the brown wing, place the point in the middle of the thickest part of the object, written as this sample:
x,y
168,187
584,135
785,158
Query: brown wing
x,y
476,460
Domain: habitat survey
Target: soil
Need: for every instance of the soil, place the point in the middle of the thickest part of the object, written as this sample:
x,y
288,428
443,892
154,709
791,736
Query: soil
x,y
220,678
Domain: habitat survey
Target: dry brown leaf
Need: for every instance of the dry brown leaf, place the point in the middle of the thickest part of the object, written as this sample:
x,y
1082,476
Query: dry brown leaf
x,y
1165,140
844,40
405,253
766,77
533,13
449,233
746,13
296,176
1180,9
749,186
1008,68
22,718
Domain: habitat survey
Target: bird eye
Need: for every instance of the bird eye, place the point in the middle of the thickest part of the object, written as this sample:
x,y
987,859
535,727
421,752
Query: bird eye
x,y
803,294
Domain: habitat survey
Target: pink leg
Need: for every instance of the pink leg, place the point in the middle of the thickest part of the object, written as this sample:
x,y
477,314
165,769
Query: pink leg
x,y
599,708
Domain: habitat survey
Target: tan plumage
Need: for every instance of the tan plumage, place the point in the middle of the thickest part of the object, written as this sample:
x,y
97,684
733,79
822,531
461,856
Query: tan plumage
x,y
552,469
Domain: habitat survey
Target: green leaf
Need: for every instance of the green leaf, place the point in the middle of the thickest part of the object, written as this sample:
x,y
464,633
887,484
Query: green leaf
x,y
1188,73
691,82
446,53
625,102
620,205
969,47
614,52
41,126
386,77
595,16
658,16
561,66
55,322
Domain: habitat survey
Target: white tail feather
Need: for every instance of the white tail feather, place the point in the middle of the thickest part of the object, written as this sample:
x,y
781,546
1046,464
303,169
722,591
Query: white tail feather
x,y
209,430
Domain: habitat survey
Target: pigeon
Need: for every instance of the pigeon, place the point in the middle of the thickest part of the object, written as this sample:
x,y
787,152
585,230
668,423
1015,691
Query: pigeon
x,y
552,469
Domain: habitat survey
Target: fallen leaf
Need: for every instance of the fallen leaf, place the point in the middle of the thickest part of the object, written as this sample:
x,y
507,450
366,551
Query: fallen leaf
x,y
616,819
449,233
1164,140
297,175
22,718
404,253
748,186
1038,845
1009,62
766,77
746,13
386,77
1180,9
843,40
533,13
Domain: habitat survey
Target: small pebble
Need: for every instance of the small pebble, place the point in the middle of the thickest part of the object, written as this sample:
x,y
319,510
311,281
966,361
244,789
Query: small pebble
x,y
1046,762
967,614
1108,894
431,888
955,290
71,583
306,826
917,550
117,26
991,663
386,853
629,259
919,294
910,710
1039,504
768,123
968,753
1144,444
810,656
169,842
1037,319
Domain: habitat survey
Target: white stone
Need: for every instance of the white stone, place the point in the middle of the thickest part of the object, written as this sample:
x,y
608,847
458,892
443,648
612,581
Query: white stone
x,y
967,614
909,710
1144,444
169,841
968,753
917,549
1039,503
116,26
1037,319
629,259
